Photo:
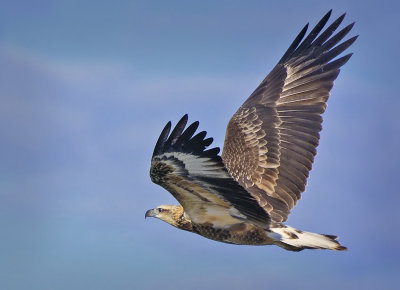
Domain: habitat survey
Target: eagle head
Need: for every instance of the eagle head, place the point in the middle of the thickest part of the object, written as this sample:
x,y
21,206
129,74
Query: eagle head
x,y
172,214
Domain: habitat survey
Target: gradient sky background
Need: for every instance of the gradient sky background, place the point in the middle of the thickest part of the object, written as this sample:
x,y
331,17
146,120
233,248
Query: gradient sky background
x,y
87,86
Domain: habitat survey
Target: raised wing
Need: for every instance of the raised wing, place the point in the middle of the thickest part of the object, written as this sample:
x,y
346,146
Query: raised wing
x,y
271,140
198,179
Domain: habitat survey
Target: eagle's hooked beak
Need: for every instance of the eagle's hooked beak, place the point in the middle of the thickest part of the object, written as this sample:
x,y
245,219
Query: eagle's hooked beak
x,y
150,213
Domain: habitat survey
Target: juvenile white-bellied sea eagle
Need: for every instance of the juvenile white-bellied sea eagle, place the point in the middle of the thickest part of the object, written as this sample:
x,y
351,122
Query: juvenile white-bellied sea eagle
x,y
245,195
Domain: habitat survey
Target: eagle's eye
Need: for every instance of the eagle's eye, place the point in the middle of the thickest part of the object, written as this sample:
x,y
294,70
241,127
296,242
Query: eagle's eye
x,y
161,210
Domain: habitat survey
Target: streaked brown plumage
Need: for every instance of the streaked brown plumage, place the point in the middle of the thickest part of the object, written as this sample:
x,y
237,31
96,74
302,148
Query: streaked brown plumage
x,y
270,144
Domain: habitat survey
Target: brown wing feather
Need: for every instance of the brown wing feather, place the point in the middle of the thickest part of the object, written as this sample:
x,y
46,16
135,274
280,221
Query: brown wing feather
x,y
271,140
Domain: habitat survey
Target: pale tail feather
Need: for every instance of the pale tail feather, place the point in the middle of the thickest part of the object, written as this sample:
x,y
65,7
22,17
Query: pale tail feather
x,y
295,240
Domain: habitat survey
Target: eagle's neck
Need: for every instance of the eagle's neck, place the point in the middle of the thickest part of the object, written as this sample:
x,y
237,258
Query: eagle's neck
x,y
183,222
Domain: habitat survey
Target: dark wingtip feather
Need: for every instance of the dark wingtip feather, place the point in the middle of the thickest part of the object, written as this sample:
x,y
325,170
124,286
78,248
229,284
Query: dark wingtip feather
x,y
313,34
207,142
296,47
336,64
161,140
328,32
182,140
186,135
199,137
294,44
173,137
337,50
316,46
197,144
340,18
331,54
336,38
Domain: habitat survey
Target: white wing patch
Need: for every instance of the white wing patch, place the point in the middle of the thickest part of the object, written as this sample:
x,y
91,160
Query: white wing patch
x,y
197,166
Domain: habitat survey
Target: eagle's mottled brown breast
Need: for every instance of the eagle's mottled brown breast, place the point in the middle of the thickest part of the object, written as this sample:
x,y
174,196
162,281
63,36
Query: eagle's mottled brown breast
x,y
241,234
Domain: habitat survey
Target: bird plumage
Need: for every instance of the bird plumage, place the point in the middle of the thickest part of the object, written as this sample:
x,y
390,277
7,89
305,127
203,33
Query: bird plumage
x,y
243,196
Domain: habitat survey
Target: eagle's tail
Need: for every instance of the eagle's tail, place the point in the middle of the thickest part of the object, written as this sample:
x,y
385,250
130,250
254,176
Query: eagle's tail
x,y
295,240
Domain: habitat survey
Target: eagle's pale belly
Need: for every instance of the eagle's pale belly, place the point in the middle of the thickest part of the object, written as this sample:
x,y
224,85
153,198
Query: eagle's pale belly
x,y
241,234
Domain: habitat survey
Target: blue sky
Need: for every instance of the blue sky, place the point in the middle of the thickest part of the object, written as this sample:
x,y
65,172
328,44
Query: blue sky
x,y
85,89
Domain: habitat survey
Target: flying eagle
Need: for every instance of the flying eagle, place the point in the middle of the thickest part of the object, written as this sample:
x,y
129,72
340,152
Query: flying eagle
x,y
244,196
